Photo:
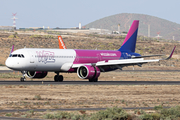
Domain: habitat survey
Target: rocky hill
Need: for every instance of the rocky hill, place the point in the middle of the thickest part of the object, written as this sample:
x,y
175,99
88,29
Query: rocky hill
x,y
166,28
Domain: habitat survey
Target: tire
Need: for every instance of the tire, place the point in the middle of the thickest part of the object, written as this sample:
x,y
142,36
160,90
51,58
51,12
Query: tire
x,y
56,78
22,79
96,79
93,80
60,78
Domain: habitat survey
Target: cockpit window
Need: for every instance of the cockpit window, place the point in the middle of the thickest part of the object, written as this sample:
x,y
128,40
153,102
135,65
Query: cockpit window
x,y
22,55
17,55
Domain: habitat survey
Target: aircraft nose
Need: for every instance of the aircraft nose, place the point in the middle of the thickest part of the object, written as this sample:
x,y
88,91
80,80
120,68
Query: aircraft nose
x,y
9,63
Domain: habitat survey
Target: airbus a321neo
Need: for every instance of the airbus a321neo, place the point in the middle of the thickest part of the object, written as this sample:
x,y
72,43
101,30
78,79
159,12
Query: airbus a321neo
x,y
36,62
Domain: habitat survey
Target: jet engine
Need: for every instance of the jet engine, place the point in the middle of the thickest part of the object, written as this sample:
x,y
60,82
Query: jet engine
x,y
36,74
88,72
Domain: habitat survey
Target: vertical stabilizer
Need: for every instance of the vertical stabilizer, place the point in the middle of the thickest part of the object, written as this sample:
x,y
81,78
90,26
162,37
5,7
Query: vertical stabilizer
x,y
61,43
12,49
129,43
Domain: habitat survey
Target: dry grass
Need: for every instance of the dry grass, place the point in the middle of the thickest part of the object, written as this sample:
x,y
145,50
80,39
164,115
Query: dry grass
x,y
82,96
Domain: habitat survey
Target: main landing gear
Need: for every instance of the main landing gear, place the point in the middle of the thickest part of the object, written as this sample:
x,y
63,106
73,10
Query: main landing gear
x,y
58,78
22,79
93,80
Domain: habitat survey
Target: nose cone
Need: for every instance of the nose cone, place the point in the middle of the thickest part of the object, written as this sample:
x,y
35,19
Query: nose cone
x,y
14,63
9,63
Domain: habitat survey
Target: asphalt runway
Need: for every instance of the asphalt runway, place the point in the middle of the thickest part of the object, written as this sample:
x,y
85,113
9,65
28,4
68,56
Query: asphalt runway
x,y
15,82
147,71
14,118
90,83
5,71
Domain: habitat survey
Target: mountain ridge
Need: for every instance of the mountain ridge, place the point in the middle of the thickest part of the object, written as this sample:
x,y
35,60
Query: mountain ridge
x,y
166,28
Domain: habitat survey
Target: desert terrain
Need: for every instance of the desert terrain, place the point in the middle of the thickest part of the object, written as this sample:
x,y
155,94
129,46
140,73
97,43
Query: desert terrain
x,y
92,96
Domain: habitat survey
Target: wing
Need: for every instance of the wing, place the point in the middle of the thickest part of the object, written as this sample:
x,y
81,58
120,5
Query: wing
x,y
128,62
146,56
123,62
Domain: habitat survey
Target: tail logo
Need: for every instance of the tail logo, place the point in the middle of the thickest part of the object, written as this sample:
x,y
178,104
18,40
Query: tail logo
x,y
61,43
129,43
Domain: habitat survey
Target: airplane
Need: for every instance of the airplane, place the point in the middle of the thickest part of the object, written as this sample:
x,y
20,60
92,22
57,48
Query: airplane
x,y
88,64
61,43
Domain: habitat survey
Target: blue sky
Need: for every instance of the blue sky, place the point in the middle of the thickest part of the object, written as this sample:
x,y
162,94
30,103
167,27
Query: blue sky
x,y
68,13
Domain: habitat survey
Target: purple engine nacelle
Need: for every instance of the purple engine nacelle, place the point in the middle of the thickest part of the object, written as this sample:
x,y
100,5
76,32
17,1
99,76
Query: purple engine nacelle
x,y
88,72
36,74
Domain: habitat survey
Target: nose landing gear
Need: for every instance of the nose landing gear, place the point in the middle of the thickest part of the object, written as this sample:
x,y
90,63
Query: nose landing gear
x,y
23,76
58,78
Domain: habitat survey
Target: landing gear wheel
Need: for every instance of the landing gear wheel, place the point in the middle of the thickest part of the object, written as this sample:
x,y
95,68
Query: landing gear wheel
x,y
90,80
23,76
22,79
58,78
93,80
96,79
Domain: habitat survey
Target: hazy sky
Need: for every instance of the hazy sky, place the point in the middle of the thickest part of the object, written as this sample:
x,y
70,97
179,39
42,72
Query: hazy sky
x,y
68,13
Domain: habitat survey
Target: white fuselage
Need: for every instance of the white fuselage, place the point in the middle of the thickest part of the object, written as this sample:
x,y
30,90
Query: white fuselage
x,y
41,59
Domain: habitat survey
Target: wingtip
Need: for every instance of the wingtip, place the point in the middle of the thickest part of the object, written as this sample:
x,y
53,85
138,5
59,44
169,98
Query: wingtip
x,y
172,51
170,54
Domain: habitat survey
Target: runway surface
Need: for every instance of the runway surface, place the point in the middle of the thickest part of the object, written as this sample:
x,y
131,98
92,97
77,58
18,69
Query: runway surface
x,y
14,118
91,83
15,82
4,71
147,71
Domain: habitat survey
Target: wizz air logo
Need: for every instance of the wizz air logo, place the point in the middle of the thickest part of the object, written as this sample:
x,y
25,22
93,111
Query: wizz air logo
x,y
45,56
